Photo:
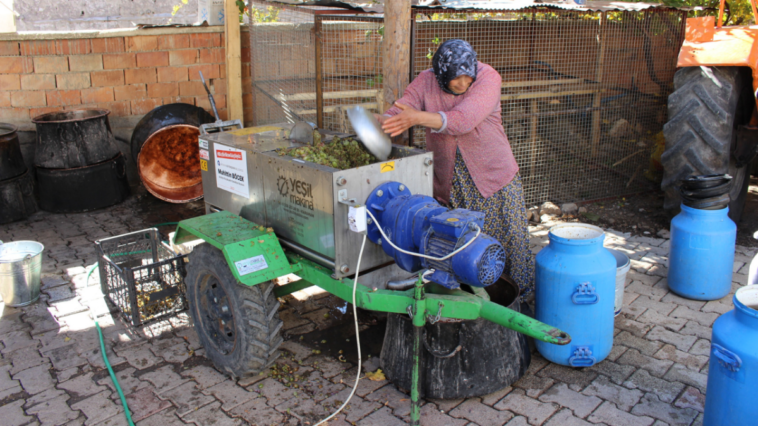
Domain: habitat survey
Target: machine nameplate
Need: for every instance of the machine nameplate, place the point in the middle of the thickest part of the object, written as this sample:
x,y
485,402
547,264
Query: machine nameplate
x,y
250,265
231,170
203,143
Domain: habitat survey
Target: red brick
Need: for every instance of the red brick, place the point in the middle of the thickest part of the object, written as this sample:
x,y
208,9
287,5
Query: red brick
x,y
172,74
50,65
191,88
9,82
147,75
179,100
143,106
218,86
129,92
118,109
73,47
162,90
108,45
9,48
245,54
18,65
79,80
209,71
64,97
5,99
152,59
222,114
85,62
107,78
97,95
141,43
37,81
212,56
176,41
14,114
247,85
28,98
34,112
247,116
37,47
222,70
205,40
119,61
182,57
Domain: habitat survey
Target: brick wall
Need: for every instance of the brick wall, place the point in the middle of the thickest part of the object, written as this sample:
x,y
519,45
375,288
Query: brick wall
x,y
128,74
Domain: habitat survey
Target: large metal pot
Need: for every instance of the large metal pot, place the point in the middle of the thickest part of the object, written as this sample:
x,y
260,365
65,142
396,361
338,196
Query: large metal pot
x,y
20,267
69,139
11,161
17,198
83,189
165,147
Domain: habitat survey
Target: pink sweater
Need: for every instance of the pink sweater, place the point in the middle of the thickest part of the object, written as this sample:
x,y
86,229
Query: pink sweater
x,y
472,123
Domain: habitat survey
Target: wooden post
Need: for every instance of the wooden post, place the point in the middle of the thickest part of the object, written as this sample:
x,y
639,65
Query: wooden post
x,y
596,115
396,51
233,60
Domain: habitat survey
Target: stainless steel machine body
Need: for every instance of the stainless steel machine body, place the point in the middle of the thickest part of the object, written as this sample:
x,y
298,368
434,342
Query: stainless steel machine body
x,y
301,200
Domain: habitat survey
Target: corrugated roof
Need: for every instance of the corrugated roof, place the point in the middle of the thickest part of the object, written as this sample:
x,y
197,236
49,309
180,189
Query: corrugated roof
x,y
377,6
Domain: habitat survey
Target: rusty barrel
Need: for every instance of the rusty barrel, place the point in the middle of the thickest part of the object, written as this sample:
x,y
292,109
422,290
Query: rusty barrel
x,y
17,198
72,139
11,162
165,147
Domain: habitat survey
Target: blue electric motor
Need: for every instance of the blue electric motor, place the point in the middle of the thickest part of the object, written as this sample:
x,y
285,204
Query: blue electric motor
x,y
419,224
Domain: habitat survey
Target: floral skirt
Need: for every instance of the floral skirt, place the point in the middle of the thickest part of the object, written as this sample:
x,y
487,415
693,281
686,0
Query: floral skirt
x,y
504,220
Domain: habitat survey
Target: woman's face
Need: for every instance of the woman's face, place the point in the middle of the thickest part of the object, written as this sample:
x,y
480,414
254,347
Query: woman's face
x,y
460,84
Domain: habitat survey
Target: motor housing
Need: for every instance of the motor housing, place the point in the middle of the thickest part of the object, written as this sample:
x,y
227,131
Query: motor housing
x,y
419,224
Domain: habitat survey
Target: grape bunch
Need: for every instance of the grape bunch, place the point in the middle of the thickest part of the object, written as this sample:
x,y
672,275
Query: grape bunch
x,y
340,153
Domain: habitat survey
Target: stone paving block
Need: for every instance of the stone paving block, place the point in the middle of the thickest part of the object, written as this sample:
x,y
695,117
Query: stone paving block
x,y
381,417
701,347
568,375
139,357
639,329
297,350
616,372
10,392
36,379
166,417
536,412
685,375
82,386
98,408
46,395
187,398
78,321
717,307
662,307
320,388
211,414
365,386
645,279
694,329
581,405
652,317
256,412
230,394
681,342
492,398
48,281
25,358
16,340
117,420
671,353
54,411
275,392
651,406
481,414
681,301
609,414
565,418
691,398
306,411
446,405
65,357
145,403
616,352
59,293
163,379
204,376
431,416
356,409
603,388
190,336
329,367
643,289
666,390
702,318
13,415
656,367
659,270
393,398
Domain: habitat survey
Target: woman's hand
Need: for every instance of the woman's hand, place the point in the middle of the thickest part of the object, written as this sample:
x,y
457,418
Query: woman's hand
x,y
380,118
401,122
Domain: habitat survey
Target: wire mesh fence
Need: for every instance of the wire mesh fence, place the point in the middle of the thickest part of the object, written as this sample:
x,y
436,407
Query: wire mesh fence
x,y
583,95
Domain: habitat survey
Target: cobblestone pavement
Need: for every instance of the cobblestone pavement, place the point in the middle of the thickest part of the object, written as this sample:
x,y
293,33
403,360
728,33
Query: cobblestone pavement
x,y
52,373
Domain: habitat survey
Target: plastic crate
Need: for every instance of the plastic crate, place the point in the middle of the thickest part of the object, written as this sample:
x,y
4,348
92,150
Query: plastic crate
x,y
142,276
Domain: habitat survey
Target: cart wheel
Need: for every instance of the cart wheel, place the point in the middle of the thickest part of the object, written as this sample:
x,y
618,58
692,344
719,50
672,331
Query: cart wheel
x,y
237,325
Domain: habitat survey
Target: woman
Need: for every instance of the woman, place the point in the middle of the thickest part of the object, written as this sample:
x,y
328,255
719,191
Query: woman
x,y
458,101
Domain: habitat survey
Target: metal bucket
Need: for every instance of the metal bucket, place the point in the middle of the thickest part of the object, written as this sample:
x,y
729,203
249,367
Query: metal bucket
x,y
20,267
622,267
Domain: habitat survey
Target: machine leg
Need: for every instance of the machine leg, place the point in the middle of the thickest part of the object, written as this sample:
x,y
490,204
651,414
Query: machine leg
x,y
419,319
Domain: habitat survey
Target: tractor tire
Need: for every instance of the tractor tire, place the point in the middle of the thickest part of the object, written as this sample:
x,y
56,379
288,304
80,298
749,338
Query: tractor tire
x,y
238,326
705,109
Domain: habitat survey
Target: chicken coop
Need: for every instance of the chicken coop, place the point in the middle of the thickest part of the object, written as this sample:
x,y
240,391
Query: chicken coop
x,y
584,88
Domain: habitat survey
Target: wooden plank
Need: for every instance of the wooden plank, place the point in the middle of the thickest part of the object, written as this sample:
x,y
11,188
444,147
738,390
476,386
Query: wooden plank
x,y
538,95
396,52
334,108
233,60
541,82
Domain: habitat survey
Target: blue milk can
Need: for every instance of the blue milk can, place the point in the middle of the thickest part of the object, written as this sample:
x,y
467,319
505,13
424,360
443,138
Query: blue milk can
x,y
733,367
701,256
575,288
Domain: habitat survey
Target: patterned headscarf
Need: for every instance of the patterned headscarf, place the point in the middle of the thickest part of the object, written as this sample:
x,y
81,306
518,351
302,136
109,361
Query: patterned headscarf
x,y
453,58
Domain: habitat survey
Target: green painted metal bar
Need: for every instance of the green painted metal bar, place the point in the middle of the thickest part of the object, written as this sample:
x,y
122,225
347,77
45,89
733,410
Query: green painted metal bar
x,y
419,320
281,291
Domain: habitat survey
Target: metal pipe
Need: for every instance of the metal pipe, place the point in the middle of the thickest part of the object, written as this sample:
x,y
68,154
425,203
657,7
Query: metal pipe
x,y
308,254
402,284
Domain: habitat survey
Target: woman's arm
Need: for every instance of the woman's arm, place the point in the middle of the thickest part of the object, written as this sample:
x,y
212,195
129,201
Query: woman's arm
x,y
481,99
409,117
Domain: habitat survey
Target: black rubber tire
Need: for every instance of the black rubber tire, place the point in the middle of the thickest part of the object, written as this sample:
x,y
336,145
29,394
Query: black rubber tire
x,y
255,310
707,105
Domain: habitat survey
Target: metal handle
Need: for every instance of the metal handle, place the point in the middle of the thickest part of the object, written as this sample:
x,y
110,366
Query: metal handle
x,y
450,354
728,359
582,357
213,103
585,295
28,259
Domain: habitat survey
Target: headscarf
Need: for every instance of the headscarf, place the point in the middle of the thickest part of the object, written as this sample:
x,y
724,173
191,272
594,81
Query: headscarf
x,y
452,59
